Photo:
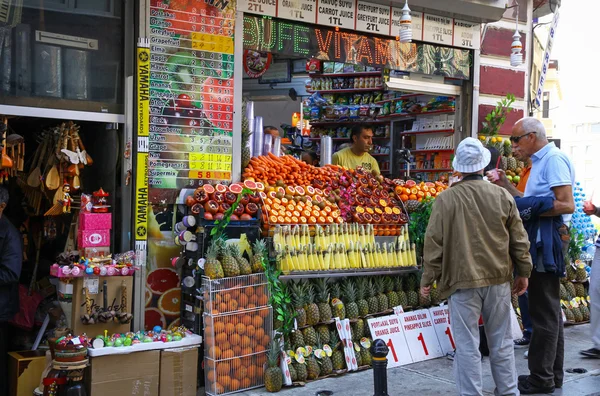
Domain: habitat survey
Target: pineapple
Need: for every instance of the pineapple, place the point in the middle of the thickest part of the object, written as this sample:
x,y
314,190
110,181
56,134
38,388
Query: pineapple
x,y
338,357
390,293
301,371
511,163
312,310
293,373
323,331
372,300
243,264
350,295
366,357
563,293
383,300
273,376
230,265
310,336
259,252
326,364
313,368
580,273
577,314
579,290
569,314
413,299
585,312
339,310
322,299
246,152
412,206
297,339
504,163
212,267
357,355
363,306
435,294
570,290
402,299
571,273
358,330
298,302
514,299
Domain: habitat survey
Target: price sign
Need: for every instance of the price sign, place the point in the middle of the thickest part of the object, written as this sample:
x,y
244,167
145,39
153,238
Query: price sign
x,y
437,29
466,34
441,323
338,13
298,10
373,18
261,7
420,335
389,329
416,24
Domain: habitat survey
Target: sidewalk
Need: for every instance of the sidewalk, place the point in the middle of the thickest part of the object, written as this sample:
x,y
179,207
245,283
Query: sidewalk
x,y
435,377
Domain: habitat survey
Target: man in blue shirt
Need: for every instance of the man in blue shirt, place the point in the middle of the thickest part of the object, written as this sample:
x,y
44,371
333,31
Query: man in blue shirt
x,y
594,352
552,175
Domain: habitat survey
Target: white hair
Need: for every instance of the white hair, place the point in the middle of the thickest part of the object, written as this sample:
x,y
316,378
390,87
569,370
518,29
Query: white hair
x,y
530,124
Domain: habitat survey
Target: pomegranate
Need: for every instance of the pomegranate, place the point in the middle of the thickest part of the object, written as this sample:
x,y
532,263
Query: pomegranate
x,y
200,195
230,197
218,197
196,208
245,217
254,198
251,208
219,216
224,207
208,216
239,210
211,206
234,218
244,201
190,201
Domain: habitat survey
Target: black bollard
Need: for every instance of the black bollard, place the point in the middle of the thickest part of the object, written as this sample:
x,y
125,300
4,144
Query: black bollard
x,y
379,351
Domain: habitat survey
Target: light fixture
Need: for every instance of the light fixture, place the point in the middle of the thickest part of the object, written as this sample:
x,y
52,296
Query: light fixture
x,y
516,56
405,25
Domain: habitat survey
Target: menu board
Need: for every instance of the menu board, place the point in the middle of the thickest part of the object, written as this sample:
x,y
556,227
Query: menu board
x,y
298,10
466,34
336,13
372,18
191,93
437,29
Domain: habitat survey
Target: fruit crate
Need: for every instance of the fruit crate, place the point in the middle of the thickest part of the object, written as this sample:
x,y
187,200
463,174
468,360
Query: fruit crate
x,y
235,294
235,350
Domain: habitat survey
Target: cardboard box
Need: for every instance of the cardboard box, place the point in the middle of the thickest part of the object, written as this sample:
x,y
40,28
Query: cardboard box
x,y
25,371
96,252
93,238
95,221
178,372
125,374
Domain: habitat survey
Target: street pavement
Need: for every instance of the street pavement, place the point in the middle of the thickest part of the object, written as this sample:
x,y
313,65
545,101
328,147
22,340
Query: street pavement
x,y
435,377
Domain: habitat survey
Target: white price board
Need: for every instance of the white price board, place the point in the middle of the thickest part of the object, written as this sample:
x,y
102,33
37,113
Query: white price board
x,y
437,29
338,13
420,335
389,329
373,18
298,10
441,323
416,24
466,34
262,7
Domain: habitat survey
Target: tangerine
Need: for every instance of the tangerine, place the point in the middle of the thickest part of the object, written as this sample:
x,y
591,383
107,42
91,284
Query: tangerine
x,y
234,386
246,320
235,339
237,350
240,328
224,380
228,354
257,321
229,328
223,368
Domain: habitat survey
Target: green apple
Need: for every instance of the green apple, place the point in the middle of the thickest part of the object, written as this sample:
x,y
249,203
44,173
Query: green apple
x,y
516,179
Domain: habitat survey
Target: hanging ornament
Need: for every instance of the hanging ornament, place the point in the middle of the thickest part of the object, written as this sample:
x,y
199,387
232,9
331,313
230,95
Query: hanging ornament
x,y
406,25
516,57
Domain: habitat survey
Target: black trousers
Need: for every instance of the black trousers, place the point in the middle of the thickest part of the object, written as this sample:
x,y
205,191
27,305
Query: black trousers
x,y
4,340
547,347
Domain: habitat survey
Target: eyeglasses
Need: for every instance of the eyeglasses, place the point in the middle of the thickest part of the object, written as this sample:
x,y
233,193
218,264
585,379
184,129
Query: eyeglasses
x,y
516,139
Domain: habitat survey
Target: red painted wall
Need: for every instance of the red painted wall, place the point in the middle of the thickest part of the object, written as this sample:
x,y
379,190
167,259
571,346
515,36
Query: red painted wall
x,y
497,42
498,81
513,116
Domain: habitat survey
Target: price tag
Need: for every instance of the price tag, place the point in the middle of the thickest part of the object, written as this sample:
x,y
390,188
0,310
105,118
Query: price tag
x,y
389,329
420,335
261,7
373,18
297,10
441,323
466,34
398,310
91,284
338,13
437,29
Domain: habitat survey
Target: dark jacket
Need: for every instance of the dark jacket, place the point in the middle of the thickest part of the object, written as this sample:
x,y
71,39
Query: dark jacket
x,y
11,257
531,209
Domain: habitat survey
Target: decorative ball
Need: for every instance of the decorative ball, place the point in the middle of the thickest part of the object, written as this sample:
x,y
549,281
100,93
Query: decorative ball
x,y
89,270
127,341
75,271
157,329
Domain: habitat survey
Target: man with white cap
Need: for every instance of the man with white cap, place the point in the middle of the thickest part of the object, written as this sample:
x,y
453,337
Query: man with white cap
x,y
474,234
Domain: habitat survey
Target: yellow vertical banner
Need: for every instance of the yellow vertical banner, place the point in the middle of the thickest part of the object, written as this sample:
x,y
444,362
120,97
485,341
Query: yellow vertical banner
x,y
141,197
143,99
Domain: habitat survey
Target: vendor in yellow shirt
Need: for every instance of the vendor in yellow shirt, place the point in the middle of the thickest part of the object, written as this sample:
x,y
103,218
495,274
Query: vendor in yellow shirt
x,y
358,155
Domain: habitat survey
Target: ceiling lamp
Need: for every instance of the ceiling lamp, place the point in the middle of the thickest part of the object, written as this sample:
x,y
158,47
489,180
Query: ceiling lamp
x,y
405,25
516,57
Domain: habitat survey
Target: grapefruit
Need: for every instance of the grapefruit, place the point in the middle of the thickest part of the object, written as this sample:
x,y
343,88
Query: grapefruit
x,y
263,195
310,190
169,303
272,194
250,185
236,188
148,297
221,188
318,198
318,191
300,190
410,183
429,184
208,189
153,317
260,186
162,279
280,190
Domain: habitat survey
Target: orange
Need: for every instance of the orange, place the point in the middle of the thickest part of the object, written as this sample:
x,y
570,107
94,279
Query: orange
x,y
224,380
266,340
240,372
237,350
214,352
246,382
221,338
260,290
250,331
235,293
235,339
412,197
247,350
228,354
263,300
242,301
211,376
263,313
222,307
257,321
219,389
259,332
219,327
229,328
246,320
170,303
226,297
240,328
245,342
223,368
254,299
233,305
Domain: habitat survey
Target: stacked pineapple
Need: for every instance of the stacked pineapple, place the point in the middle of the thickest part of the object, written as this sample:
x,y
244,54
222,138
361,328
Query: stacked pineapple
x,y
340,247
224,260
573,294
508,163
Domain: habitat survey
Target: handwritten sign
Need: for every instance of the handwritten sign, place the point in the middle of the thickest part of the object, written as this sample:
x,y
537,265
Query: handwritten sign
x,y
298,10
373,18
336,13
389,329
437,29
441,323
420,335
466,34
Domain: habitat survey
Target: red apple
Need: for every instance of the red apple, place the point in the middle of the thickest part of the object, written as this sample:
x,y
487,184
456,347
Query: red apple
x,y
208,216
245,217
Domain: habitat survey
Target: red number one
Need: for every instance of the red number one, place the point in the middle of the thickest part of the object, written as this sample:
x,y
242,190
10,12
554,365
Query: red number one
x,y
391,345
449,334
420,338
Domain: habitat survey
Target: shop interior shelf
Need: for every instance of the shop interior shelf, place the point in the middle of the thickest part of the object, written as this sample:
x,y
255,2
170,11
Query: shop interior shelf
x,y
353,122
348,90
406,115
400,98
357,74
431,151
335,139
381,154
345,273
427,132
430,170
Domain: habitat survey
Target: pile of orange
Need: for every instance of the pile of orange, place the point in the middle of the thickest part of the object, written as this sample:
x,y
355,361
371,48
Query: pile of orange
x,y
236,299
413,191
298,205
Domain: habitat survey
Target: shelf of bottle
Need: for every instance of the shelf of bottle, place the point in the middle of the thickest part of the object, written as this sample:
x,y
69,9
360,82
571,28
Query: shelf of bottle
x,y
412,115
344,91
345,273
357,74
353,122
431,151
381,154
408,133
407,96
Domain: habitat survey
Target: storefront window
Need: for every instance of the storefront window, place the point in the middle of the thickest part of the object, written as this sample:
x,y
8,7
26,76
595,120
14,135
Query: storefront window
x,y
63,54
